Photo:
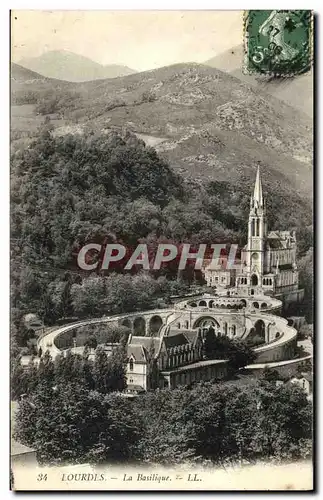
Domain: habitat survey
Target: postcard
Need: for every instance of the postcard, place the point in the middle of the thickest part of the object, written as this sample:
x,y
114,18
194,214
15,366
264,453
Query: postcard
x,y
162,327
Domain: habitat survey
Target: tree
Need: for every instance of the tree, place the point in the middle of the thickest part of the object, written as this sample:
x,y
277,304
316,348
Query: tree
x,y
270,375
18,380
210,343
306,267
46,370
148,96
68,368
68,424
109,372
239,354
91,342
236,351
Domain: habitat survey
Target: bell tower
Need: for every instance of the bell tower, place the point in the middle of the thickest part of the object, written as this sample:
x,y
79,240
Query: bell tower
x,y
257,234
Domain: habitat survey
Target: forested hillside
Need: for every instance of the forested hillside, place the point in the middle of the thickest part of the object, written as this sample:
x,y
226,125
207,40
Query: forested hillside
x,y
206,123
74,189
82,171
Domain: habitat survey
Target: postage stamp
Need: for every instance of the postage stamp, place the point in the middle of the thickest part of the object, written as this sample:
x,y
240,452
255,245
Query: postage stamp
x,y
278,42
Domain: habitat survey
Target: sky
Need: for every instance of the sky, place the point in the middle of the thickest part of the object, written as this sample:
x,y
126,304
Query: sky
x,y
142,40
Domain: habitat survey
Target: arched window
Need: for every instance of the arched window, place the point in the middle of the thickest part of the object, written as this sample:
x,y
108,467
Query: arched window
x,y
252,227
257,227
131,364
254,280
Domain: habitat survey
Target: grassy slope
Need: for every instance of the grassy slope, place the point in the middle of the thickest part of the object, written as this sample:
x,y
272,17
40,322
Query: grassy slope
x,y
214,126
297,92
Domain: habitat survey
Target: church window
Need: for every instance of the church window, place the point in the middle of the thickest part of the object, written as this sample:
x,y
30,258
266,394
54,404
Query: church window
x,y
131,365
257,227
131,380
254,280
252,227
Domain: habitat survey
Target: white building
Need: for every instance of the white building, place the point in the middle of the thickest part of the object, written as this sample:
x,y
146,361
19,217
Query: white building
x,y
268,260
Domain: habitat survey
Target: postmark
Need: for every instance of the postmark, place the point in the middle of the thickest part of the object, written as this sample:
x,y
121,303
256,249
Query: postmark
x,y
278,42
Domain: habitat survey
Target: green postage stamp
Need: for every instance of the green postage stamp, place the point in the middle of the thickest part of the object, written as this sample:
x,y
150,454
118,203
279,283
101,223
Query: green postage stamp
x,y
278,42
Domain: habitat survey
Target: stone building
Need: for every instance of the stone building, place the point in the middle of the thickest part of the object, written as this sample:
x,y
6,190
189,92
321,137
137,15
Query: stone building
x,y
168,361
268,260
219,276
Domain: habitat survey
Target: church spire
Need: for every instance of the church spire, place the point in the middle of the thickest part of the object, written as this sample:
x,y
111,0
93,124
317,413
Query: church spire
x,y
257,194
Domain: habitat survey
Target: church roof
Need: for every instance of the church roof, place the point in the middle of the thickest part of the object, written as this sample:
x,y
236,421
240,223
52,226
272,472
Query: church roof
x,y
257,194
280,239
284,267
196,365
276,243
143,347
135,388
147,342
175,340
137,351
180,337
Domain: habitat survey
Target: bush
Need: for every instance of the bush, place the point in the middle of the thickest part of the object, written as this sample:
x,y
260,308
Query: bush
x,y
91,342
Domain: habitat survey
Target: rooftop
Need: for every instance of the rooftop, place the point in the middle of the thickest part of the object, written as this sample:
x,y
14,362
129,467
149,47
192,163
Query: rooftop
x,y
137,351
194,366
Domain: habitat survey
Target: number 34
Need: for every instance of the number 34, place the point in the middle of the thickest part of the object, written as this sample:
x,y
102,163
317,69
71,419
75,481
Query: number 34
x,y
42,477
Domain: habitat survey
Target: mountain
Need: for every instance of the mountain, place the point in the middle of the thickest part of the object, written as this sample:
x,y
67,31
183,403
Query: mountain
x,y
23,75
65,65
296,91
208,124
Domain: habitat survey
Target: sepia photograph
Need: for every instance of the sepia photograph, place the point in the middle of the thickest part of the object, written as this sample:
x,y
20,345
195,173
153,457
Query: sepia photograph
x,y
161,250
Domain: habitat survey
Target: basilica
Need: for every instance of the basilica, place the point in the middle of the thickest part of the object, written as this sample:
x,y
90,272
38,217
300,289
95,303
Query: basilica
x,y
268,260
